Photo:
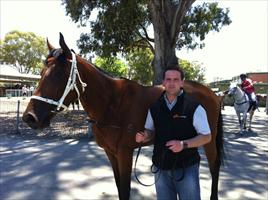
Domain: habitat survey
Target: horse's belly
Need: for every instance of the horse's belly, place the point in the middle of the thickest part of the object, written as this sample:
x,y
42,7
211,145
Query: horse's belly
x,y
241,108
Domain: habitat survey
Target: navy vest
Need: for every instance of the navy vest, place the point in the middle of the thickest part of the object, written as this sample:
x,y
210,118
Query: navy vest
x,y
174,124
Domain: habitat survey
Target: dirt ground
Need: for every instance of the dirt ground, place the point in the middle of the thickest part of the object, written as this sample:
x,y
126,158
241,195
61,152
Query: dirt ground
x,y
73,167
66,169
68,124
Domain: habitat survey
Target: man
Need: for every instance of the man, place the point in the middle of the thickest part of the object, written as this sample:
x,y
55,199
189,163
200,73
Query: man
x,y
179,125
247,87
24,90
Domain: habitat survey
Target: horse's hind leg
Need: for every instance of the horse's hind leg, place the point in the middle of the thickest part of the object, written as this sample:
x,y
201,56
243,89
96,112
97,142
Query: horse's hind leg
x,y
122,166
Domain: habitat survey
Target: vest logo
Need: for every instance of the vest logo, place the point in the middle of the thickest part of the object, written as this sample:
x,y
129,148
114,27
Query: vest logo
x,y
179,116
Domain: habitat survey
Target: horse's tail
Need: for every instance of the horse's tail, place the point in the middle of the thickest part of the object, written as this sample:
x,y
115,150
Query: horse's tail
x,y
220,140
215,171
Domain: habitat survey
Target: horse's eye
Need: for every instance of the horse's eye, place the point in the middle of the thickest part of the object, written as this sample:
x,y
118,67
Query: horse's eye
x,y
45,62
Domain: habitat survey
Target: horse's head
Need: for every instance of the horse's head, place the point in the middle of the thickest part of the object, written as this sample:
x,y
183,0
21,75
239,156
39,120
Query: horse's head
x,y
57,87
232,89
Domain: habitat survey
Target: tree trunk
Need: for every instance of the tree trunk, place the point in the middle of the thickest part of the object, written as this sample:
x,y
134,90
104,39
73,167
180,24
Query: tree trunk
x,y
166,18
164,56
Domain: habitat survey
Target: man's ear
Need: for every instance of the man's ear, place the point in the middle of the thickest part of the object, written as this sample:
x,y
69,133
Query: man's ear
x,y
163,83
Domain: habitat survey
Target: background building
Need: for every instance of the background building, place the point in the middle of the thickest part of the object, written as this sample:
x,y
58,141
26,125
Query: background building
x,y
260,80
257,77
11,81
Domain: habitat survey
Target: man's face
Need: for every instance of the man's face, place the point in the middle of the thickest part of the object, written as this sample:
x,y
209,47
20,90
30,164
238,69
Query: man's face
x,y
172,82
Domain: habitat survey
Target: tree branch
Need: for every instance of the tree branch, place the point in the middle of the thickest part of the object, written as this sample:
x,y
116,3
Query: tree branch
x,y
179,14
144,43
146,34
147,40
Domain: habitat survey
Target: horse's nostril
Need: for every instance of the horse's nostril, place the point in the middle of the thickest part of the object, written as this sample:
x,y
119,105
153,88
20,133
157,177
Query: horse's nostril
x,y
30,118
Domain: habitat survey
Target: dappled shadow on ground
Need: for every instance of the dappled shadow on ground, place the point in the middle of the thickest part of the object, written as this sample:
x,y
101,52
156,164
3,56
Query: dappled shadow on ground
x,y
58,168
231,125
245,174
42,169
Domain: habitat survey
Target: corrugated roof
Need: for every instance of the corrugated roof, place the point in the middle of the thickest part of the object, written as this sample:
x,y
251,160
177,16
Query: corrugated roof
x,y
7,73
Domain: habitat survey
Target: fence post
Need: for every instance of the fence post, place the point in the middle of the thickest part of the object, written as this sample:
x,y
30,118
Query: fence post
x,y
18,117
90,131
266,106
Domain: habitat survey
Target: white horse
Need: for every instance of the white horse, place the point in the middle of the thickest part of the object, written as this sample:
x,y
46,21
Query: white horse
x,y
241,105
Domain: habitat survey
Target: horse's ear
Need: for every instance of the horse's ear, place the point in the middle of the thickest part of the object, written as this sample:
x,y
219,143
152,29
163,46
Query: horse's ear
x,y
49,46
64,47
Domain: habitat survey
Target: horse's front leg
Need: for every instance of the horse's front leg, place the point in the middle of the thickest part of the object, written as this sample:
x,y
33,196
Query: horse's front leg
x,y
240,122
244,120
250,119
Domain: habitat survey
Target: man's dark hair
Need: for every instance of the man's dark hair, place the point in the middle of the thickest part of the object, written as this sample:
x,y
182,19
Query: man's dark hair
x,y
243,76
173,67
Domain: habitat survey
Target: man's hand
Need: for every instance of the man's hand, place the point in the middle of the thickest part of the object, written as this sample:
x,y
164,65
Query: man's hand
x,y
175,146
141,136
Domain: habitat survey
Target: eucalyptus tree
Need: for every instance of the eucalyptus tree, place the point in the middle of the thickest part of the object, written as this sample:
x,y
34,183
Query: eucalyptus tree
x,y
23,51
112,65
139,62
140,71
119,26
193,70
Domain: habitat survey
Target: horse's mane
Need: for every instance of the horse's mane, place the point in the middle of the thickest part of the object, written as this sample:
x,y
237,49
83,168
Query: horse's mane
x,y
109,74
105,72
58,52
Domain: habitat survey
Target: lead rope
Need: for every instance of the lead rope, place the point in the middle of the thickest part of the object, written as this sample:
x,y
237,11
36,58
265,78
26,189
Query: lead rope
x,y
158,169
135,171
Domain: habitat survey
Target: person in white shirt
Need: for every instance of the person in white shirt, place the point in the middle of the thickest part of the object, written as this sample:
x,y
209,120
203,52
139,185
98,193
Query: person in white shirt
x,y
178,124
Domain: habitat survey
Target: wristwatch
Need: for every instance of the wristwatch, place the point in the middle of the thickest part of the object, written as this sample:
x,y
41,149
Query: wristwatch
x,y
185,145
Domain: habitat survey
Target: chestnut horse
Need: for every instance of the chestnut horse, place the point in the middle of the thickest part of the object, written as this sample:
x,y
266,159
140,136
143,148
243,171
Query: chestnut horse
x,y
117,106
